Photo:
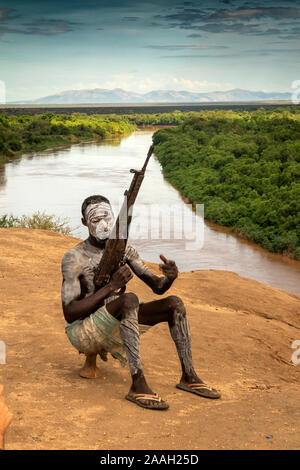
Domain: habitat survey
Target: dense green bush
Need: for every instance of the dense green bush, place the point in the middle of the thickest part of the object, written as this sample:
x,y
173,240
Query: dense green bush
x,y
244,167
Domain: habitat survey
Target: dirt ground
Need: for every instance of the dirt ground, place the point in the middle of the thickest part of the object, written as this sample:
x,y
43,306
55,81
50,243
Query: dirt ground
x,y
242,332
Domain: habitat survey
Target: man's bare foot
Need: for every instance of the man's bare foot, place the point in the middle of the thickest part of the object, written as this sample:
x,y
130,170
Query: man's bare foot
x,y
195,385
152,402
90,370
141,394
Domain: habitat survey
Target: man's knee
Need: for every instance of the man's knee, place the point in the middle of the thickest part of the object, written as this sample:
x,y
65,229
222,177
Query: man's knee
x,y
175,303
130,301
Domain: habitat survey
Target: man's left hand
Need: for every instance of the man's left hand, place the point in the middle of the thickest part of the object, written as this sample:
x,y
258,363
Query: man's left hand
x,y
169,268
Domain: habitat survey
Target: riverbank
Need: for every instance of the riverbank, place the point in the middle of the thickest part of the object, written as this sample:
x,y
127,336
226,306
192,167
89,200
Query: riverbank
x,y
104,168
55,144
244,168
26,134
242,333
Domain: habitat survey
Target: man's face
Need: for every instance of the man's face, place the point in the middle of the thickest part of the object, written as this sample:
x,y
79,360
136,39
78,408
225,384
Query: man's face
x,y
100,220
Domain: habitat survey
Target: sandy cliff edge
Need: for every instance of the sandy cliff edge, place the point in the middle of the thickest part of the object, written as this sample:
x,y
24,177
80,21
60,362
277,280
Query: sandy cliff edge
x,y
242,332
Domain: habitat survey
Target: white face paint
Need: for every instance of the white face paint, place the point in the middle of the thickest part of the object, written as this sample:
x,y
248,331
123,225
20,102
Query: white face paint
x,y
100,220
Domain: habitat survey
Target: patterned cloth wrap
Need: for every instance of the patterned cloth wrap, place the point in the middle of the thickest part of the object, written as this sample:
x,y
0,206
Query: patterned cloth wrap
x,y
97,332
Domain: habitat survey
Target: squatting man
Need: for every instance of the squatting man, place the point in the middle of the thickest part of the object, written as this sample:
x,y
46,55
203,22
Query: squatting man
x,y
103,321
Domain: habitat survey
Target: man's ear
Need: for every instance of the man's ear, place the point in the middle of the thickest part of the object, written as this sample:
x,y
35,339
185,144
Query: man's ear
x,y
83,221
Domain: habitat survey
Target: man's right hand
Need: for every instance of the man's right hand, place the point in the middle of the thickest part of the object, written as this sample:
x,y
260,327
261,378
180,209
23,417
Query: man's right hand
x,y
120,277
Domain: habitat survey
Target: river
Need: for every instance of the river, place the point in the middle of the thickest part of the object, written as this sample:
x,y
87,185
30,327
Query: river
x,y
57,181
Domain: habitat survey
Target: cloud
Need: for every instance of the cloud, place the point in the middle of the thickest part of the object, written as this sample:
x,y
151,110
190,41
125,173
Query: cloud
x,y
279,51
181,83
268,20
130,18
293,33
187,16
249,29
132,82
190,16
216,56
240,54
7,14
174,47
43,27
278,13
240,28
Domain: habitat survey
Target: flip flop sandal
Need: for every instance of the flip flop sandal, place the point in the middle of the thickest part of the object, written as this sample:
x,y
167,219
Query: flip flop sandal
x,y
200,389
144,396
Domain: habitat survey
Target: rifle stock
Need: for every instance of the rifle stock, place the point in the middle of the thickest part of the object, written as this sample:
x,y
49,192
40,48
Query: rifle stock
x,y
113,256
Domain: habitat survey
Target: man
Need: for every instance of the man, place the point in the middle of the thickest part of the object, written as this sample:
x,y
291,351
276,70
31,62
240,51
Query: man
x,y
100,321
5,418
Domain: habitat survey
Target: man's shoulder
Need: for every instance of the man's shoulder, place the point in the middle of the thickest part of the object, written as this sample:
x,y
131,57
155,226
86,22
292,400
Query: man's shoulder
x,y
74,255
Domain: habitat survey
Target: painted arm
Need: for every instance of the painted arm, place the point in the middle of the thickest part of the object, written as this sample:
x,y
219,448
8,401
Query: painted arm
x,y
74,306
158,284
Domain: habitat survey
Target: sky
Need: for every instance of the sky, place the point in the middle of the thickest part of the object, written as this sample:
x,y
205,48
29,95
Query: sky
x,y
47,47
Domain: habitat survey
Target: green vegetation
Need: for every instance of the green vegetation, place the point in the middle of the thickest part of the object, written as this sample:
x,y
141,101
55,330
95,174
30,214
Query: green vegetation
x,y
244,167
160,119
38,220
27,133
21,134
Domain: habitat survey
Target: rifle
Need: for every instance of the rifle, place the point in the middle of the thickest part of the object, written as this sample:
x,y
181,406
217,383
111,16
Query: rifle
x,y
114,252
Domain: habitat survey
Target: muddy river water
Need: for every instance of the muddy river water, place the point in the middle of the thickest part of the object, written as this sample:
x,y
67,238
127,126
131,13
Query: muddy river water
x,y
57,181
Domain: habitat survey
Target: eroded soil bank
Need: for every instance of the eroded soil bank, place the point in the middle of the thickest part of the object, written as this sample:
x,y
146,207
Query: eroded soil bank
x,y
242,332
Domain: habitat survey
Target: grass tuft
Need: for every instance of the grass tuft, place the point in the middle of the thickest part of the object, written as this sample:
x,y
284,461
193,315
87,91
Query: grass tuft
x,y
38,220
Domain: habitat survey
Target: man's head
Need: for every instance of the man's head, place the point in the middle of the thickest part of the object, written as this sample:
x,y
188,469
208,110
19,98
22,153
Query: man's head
x,y
98,216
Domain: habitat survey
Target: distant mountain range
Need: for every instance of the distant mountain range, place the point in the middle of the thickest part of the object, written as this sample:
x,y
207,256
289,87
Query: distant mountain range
x,y
104,96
